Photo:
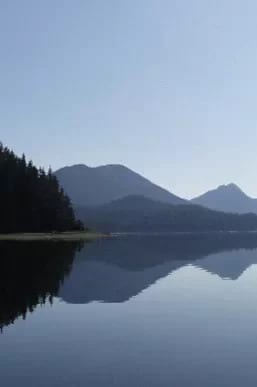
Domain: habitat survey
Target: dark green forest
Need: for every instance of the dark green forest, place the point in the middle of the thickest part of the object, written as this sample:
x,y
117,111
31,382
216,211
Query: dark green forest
x,y
31,200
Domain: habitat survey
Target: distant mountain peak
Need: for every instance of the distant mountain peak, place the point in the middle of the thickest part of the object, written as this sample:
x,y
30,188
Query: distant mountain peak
x,y
227,198
230,186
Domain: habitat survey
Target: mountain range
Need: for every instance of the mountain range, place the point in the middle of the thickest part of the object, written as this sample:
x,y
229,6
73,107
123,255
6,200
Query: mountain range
x,y
88,186
115,198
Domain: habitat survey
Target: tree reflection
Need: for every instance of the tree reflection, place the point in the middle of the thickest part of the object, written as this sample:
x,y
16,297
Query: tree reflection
x,y
31,274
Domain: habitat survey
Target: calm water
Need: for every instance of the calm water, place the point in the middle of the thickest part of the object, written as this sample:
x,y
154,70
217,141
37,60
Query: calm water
x,y
134,311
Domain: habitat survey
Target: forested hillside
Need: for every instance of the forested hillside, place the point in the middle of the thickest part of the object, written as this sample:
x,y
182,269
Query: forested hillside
x,y
31,200
136,213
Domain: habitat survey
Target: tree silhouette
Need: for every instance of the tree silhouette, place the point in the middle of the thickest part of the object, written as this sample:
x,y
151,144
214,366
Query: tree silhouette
x,y
32,200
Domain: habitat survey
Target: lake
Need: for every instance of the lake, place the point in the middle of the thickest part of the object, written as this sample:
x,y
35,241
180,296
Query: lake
x,y
138,310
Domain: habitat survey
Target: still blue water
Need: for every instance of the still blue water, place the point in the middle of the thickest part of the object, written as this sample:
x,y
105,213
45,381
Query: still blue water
x,y
131,311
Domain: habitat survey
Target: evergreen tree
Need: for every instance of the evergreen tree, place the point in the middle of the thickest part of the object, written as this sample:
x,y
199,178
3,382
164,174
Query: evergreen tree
x,y
32,200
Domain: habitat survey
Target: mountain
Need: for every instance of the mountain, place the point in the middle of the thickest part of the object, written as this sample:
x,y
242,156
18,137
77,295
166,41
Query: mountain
x,y
88,186
140,214
227,198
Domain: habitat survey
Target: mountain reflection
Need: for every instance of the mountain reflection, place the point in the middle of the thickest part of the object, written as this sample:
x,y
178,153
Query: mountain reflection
x,y
117,269
112,270
31,274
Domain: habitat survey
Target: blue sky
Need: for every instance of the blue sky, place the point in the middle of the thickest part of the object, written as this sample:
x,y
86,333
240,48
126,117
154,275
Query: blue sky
x,y
168,88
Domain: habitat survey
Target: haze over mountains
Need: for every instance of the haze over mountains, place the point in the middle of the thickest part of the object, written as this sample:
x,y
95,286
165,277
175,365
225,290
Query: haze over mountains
x,y
140,214
88,186
227,198
115,198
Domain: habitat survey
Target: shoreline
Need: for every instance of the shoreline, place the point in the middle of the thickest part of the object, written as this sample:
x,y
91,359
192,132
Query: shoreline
x,y
58,236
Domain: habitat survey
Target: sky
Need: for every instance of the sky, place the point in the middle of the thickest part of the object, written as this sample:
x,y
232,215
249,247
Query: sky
x,y
165,87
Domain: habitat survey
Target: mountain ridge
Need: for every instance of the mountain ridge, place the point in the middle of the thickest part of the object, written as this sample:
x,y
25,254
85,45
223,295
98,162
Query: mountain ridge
x,y
93,186
103,184
140,214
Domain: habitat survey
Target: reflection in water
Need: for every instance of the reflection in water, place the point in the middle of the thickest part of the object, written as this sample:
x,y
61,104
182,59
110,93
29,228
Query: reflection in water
x,y
112,270
168,318
31,274
118,269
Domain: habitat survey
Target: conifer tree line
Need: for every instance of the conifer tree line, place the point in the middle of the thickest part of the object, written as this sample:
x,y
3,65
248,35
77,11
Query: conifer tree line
x,y
31,200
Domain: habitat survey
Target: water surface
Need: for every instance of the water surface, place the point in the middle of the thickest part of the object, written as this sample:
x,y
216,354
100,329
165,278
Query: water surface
x,y
157,310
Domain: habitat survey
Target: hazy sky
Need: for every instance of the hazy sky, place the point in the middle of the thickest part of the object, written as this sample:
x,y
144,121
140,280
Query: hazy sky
x,y
168,88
